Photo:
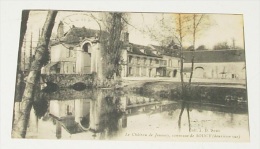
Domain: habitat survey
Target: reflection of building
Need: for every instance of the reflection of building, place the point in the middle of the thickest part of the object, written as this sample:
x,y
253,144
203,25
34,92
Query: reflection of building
x,y
147,61
104,114
72,114
216,64
98,114
76,52
134,104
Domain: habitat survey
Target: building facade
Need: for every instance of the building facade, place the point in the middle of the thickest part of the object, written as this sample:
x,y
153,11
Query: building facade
x,y
76,52
79,52
217,64
146,61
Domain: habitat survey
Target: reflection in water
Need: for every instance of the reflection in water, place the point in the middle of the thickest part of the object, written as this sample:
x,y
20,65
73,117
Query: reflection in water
x,y
183,106
110,114
99,114
58,130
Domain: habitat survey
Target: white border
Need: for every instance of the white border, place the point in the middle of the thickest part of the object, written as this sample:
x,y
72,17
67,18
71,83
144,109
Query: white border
x,y
10,30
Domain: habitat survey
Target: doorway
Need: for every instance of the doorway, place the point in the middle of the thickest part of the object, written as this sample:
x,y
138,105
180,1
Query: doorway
x,y
174,73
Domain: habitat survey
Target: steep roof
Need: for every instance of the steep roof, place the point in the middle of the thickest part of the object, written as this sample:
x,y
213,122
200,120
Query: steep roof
x,y
76,34
136,49
215,56
171,50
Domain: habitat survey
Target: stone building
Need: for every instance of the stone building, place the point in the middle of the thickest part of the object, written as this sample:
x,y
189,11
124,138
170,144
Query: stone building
x,y
147,61
76,52
216,64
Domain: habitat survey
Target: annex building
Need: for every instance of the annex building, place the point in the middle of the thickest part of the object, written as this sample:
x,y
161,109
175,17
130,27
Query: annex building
x,y
216,64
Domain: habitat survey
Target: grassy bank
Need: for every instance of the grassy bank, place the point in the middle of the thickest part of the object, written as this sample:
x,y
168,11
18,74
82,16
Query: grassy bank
x,y
199,92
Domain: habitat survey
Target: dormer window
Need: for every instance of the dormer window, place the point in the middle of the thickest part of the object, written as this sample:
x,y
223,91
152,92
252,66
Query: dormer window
x,y
129,49
142,50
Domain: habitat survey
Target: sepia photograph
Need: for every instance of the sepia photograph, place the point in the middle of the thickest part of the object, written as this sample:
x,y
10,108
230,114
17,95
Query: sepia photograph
x,y
131,76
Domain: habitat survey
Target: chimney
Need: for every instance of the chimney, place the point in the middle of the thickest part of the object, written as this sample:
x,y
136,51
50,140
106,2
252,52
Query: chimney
x,y
126,37
60,31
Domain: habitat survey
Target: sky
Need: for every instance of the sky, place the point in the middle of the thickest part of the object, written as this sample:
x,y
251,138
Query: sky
x,y
223,27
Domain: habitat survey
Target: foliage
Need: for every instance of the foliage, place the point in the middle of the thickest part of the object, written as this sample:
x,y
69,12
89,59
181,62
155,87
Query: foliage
x,y
114,23
190,48
40,106
201,47
221,46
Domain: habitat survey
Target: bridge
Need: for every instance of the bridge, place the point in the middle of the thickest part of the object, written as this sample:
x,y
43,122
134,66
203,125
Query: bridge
x,y
67,80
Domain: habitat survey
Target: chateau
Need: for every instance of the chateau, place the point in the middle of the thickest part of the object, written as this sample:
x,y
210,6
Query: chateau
x,y
79,52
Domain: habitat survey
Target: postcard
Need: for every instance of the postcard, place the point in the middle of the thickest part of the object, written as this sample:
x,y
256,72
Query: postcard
x,y
131,76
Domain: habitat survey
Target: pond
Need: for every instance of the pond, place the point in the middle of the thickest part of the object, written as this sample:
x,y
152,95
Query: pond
x,y
105,114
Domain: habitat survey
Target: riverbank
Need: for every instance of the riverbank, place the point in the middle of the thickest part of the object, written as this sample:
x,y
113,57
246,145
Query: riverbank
x,y
219,93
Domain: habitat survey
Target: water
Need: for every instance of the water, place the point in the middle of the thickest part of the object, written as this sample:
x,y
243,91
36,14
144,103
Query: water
x,y
106,114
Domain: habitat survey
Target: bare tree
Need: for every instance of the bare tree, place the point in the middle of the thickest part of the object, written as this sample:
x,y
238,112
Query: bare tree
x,y
197,25
34,74
194,24
173,27
181,31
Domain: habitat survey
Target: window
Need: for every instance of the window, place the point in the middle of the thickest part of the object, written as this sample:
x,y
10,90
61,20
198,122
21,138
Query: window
x,y
74,68
137,71
72,53
157,61
69,110
161,62
151,61
67,53
130,58
138,60
165,62
170,63
130,71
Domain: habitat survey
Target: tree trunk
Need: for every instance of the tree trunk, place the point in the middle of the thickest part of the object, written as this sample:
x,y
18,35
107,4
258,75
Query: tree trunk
x,y
194,40
34,74
188,113
182,109
19,76
181,56
113,53
195,26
